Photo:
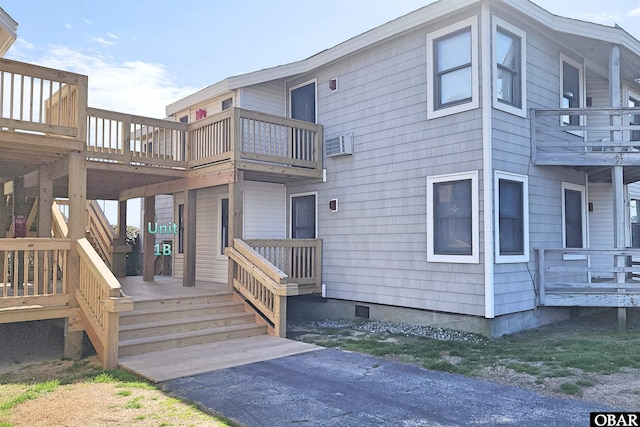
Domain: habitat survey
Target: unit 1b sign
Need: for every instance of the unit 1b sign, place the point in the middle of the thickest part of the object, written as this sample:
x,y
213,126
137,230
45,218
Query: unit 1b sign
x,y
155,228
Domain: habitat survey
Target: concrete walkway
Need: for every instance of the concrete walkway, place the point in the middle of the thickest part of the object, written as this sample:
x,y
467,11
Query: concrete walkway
x,y
336,388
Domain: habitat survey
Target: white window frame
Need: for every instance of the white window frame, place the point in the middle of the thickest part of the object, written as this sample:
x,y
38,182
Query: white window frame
x,y
291,196
583,192
581,84
219,226
432,112
524,180
292,88
497,104
474,258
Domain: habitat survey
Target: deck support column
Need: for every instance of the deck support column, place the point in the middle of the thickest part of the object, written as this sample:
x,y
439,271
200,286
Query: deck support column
x,y
77,213
189,245
45,217
236,209
119,258
617,179
148,263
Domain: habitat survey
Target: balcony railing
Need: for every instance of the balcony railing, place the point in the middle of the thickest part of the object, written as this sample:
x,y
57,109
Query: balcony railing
x,y
49,103
586,137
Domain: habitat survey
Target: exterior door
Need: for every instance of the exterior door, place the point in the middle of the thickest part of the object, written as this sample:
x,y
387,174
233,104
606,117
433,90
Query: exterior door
x,y
303,217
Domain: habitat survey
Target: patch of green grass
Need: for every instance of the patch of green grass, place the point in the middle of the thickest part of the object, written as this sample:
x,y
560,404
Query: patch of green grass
x,y
124,393
122,379
570,388
32,392
134,403
523,368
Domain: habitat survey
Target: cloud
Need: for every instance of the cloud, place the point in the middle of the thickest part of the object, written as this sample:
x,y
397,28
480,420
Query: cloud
x,y
86,21
601,18
113,36
67,26
102,41
134,86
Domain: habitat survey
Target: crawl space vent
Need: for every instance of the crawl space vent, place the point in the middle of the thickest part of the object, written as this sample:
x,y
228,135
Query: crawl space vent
x,y
362,311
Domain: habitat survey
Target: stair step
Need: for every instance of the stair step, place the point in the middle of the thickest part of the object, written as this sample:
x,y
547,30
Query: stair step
x,y
184,339
171,326
178,311
166,303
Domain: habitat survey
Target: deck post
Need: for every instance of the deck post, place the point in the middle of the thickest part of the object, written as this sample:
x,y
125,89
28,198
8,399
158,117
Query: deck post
x,y
77,214
148,264
189,236
45,216
119,258
615,99
236,208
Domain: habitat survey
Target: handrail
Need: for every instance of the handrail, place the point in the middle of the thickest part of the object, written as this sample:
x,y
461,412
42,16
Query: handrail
x,y
252,277
60,228
34,267
100,300
299,259
100,230
570,268
585,136
39,99
134,140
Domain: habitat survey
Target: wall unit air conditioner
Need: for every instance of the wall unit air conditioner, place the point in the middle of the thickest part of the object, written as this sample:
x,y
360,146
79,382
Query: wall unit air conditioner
x,y
339,146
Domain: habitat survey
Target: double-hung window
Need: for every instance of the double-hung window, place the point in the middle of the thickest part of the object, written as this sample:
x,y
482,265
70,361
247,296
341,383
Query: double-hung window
x,y
572,82
452,218
509,68
512,217
452,77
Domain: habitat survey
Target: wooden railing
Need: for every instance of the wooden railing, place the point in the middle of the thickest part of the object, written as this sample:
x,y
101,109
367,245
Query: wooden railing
x,y
101,302
261,283
134,140
100,231
238,134
299,259
563,269
34,271
41,100
585,136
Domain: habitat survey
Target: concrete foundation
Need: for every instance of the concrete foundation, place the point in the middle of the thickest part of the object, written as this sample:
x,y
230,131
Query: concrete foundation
x,y
311,307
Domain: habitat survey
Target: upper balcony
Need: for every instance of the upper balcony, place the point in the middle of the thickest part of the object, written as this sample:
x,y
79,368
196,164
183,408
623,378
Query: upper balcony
x,y
592,138
44,114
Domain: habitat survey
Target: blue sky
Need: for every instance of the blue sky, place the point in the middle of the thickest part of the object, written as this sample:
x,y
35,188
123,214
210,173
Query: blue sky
x,y
141,55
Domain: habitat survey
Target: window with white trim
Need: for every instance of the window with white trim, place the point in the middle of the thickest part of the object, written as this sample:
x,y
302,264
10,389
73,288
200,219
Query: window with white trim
x,y
303,101
509,68
452,63
511,217
571,89
452,218
574,221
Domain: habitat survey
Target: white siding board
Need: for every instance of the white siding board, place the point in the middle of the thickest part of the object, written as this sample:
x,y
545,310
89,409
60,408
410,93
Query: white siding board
x,y
264,210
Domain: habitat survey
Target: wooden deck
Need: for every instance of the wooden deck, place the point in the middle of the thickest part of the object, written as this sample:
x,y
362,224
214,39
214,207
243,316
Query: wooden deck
x,y
175,363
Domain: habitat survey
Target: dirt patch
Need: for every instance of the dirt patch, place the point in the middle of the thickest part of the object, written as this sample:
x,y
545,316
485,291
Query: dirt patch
x,y
83,402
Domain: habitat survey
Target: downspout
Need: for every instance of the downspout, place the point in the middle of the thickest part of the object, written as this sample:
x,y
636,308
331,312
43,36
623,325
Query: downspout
x,y
487,162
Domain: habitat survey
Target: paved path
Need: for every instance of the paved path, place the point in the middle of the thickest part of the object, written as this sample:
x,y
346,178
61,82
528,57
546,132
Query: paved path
x,y
337,388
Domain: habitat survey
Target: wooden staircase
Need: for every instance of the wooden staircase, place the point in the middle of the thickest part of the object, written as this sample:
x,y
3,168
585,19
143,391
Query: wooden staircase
x,y
163,324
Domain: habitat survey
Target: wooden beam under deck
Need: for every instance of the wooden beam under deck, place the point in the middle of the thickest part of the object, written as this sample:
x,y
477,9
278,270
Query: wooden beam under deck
x,y
592,298
175,186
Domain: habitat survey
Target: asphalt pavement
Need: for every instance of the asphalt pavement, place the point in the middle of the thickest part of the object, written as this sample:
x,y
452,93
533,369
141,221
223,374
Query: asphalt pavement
x,y
338,388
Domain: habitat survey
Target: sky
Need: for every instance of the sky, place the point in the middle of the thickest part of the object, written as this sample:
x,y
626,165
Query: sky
x,y
141,55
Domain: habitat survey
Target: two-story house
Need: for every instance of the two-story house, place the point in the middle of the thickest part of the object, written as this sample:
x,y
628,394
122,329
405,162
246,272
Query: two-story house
x,y
476,162
469,165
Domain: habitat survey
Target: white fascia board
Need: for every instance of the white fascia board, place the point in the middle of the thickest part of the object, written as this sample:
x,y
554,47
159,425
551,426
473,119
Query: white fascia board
x,y
615,35
8,31
365,40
